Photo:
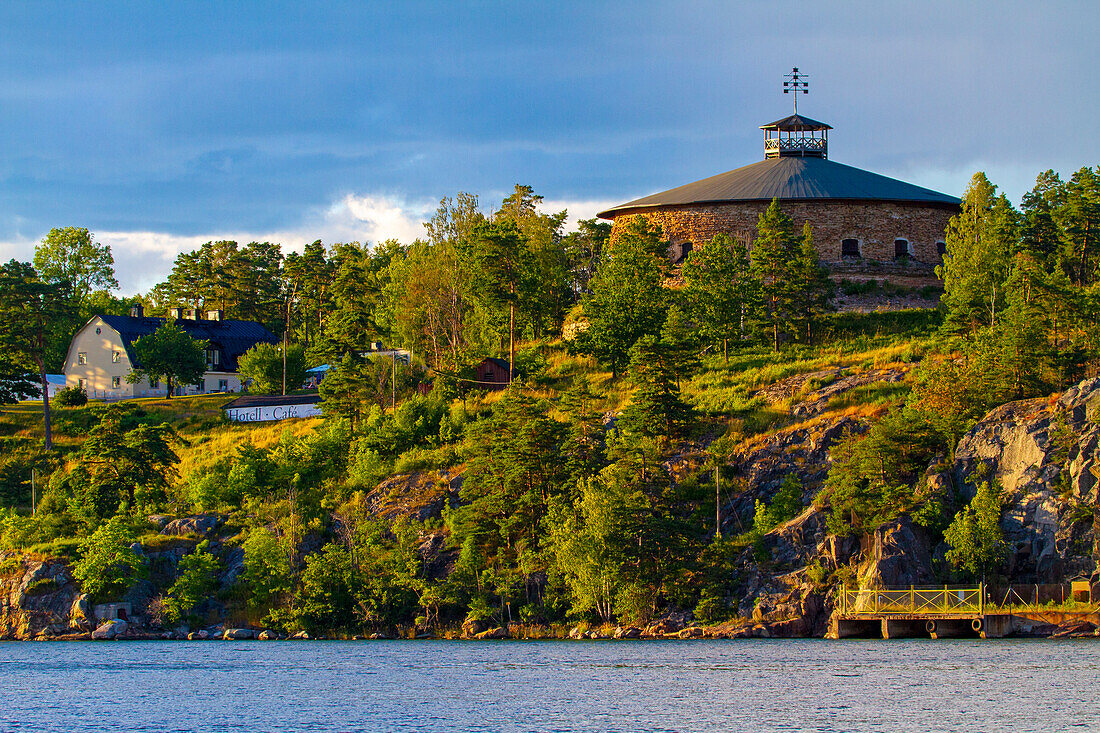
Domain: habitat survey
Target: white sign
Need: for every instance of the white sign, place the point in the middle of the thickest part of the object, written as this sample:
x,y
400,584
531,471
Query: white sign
x,y
272,412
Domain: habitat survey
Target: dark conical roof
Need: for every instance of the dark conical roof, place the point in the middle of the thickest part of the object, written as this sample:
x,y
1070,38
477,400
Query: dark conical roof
x,y
795,122
789,179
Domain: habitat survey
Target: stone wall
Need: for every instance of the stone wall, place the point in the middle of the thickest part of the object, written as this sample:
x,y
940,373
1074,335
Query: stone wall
x,y
874,224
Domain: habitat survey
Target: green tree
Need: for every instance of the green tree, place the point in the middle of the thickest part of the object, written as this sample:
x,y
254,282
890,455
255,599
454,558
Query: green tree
x,y
195,581
656,410
975,536
1079,218
981,240
107,565
349,325
628,296
118,467
169,354
29,311
719,288
71,255
815,289
503,273
264,365
775,267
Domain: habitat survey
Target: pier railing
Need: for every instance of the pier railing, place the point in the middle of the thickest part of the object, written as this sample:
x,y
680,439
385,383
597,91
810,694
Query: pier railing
x,y
913,601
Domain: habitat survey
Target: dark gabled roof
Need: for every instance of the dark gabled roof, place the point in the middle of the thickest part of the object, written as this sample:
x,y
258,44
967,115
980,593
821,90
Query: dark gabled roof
x,y
231,338
273,400
789,179
797,123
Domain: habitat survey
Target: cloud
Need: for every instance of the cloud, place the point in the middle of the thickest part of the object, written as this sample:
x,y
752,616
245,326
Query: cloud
x,y
144,258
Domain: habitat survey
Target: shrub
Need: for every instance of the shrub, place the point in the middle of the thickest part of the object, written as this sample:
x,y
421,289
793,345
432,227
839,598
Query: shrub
x,y
107,564
71,397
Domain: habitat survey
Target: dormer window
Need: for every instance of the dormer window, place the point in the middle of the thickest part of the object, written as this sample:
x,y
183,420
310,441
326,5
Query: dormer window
x,y
213,358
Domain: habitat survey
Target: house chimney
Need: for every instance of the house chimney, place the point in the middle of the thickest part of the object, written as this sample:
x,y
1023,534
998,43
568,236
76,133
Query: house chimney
x,y
215,315
137,311
175,313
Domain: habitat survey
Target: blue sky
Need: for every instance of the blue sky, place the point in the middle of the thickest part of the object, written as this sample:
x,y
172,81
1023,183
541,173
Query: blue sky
x,y
160,126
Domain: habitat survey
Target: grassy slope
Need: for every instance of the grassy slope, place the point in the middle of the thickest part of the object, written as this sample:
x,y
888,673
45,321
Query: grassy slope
x,y
720,390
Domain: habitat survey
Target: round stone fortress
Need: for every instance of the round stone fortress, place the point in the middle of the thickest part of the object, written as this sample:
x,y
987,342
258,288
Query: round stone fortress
x,y
857,217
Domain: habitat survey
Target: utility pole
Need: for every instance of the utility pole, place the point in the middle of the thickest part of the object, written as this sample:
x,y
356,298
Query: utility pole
x,y
717,506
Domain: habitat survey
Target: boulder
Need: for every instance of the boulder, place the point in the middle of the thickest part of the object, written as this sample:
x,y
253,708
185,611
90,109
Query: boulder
x,y
627,632
238,634
80,613
472,627
198,524
110,630
691,632
500,632
577,632
267,635
301,635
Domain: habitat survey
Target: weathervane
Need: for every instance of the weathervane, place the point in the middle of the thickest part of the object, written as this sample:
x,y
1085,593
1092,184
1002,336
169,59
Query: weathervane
x,y
796,85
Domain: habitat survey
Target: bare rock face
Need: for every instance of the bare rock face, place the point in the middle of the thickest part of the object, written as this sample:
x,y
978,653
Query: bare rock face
x,y
802,450
1044,454
900,555
38,598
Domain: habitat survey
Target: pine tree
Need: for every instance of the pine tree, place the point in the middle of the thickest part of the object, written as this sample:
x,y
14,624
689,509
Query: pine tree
x,y
719,287
814,287
628,297
981,240
775,260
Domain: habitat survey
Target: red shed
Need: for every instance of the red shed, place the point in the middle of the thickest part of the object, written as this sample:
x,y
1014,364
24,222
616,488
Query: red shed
x,y
492,373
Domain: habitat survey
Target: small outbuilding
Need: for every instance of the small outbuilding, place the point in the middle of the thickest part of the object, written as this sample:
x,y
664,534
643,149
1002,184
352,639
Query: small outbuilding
x,y
493,373
264,408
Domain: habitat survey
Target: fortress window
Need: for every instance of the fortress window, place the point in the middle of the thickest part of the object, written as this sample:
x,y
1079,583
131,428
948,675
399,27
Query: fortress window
x,y
901,249
849,248
941,249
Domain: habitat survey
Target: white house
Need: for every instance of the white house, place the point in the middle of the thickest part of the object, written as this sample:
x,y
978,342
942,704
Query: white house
x,y
101,354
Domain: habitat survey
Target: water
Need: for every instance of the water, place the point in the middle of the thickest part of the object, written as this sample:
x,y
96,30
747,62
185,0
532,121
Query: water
x,y
744,685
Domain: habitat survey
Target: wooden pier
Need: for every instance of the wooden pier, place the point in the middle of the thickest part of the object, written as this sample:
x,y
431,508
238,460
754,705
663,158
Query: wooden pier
x,y
918,612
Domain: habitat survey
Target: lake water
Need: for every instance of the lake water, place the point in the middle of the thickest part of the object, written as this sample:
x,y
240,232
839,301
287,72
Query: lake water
x,y
743,685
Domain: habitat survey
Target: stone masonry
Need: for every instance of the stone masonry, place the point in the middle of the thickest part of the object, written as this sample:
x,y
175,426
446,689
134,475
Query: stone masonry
x,y
874,224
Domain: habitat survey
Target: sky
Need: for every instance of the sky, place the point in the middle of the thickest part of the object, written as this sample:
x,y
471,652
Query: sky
x,y
160,126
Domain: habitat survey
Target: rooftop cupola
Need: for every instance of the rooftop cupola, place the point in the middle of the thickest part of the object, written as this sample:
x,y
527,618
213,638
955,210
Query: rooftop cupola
x,y
796,136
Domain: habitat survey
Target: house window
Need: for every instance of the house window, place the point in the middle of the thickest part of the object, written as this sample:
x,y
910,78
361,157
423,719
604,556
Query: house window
x,y
901,249
80,384
200,386
849,248
223,385
116,382
211,358
115,356
82,357
154,384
